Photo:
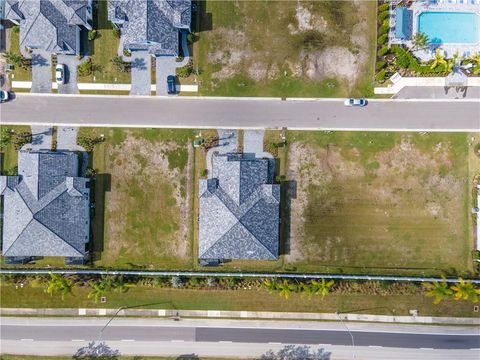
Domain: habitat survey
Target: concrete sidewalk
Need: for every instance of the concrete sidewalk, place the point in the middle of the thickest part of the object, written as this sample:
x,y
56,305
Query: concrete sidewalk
x,y
103,86
260,315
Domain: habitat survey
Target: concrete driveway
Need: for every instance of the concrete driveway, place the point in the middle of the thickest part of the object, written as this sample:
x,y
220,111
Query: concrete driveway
x,y
41,138
227,142
67,138
41,71
71,63
141,73
166,65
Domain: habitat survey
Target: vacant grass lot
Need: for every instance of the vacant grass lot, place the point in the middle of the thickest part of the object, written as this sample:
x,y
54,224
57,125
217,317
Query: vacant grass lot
x,y
379,203
143,187
20,74
285,48
248,300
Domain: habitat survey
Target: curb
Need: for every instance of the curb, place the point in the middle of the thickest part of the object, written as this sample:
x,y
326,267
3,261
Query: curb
x,y
221,314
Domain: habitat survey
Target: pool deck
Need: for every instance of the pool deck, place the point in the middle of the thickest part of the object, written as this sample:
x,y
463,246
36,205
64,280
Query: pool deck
x,y
418,7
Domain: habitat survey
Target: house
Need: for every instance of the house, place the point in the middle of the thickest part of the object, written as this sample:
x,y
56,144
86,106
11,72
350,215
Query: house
x,y
50,25
152,25
46,208
239,209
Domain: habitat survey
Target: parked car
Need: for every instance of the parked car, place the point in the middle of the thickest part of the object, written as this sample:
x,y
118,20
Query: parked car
x,y
4,96
171,85
60,74
355,102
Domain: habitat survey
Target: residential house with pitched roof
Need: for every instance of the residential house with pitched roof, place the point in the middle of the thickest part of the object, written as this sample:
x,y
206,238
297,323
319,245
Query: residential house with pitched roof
x,y
152,25
239,209
50,25
46,208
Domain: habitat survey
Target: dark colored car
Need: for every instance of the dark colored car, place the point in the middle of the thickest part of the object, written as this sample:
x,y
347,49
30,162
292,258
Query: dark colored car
x,y
4,96
171,85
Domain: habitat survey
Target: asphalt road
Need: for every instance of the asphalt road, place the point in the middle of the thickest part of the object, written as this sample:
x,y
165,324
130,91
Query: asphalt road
x,y
148,332
328,114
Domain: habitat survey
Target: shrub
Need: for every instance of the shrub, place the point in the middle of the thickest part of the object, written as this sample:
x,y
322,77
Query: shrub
x,y
191,38
381,75
116,32
176,282
16,29
382,51
85,69
186,70
92,35
118,63
380,65
382,16
383,29
204,173
89,143
383,7
382,39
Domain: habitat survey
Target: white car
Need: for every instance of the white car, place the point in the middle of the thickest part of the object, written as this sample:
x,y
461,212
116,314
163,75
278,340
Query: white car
x,y
60,74
355,102
4,96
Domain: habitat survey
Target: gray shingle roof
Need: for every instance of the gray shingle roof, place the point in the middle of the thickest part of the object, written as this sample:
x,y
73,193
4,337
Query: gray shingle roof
x,y
52,25
239,210
46,207
151,25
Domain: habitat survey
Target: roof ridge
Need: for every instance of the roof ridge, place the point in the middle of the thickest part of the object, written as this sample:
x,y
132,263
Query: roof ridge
x,y
61,238
257,240
4,251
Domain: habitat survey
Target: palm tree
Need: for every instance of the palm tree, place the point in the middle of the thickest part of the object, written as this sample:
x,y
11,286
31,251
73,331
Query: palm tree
x,y
419,40
439,290
323,287
307,289
465,290
475,60
107,284
270,284
286,288
439,60
58,283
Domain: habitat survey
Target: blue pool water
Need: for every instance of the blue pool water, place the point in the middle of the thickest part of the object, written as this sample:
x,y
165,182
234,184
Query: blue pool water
x,y
449,27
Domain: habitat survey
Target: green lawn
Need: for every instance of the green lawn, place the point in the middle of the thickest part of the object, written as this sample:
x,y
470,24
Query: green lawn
x,y
248,300
103,49
8,153
380,203
281,48
20,74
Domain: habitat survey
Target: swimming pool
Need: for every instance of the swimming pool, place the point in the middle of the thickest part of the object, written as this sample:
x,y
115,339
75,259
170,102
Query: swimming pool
x,y
449,27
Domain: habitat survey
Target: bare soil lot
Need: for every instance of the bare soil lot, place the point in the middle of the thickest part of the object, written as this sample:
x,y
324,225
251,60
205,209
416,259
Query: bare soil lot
x,y
379,203
148,205
285,48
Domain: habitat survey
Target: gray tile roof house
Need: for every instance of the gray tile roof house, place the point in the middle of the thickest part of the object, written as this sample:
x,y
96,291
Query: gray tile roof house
x,y
152,25
51,25
46,207
239,209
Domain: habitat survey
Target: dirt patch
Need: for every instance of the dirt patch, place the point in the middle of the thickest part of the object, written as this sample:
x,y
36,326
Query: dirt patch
x,y
336,62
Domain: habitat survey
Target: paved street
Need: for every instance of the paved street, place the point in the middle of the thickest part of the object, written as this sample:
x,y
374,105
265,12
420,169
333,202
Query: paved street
x,y
225,336
91,110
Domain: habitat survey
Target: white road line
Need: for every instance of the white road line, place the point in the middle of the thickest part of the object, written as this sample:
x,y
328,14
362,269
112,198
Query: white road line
x,y
127,340
225,342
275,343
78,340
26,339
375,346
426,348
177,340
475,349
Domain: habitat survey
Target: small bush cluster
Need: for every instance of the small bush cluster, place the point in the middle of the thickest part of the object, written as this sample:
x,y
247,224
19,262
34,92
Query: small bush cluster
x,y
186,70
92,35
88,143
9,136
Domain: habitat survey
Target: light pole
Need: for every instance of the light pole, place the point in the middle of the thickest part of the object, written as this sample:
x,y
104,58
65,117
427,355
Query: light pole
x,y
351,335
